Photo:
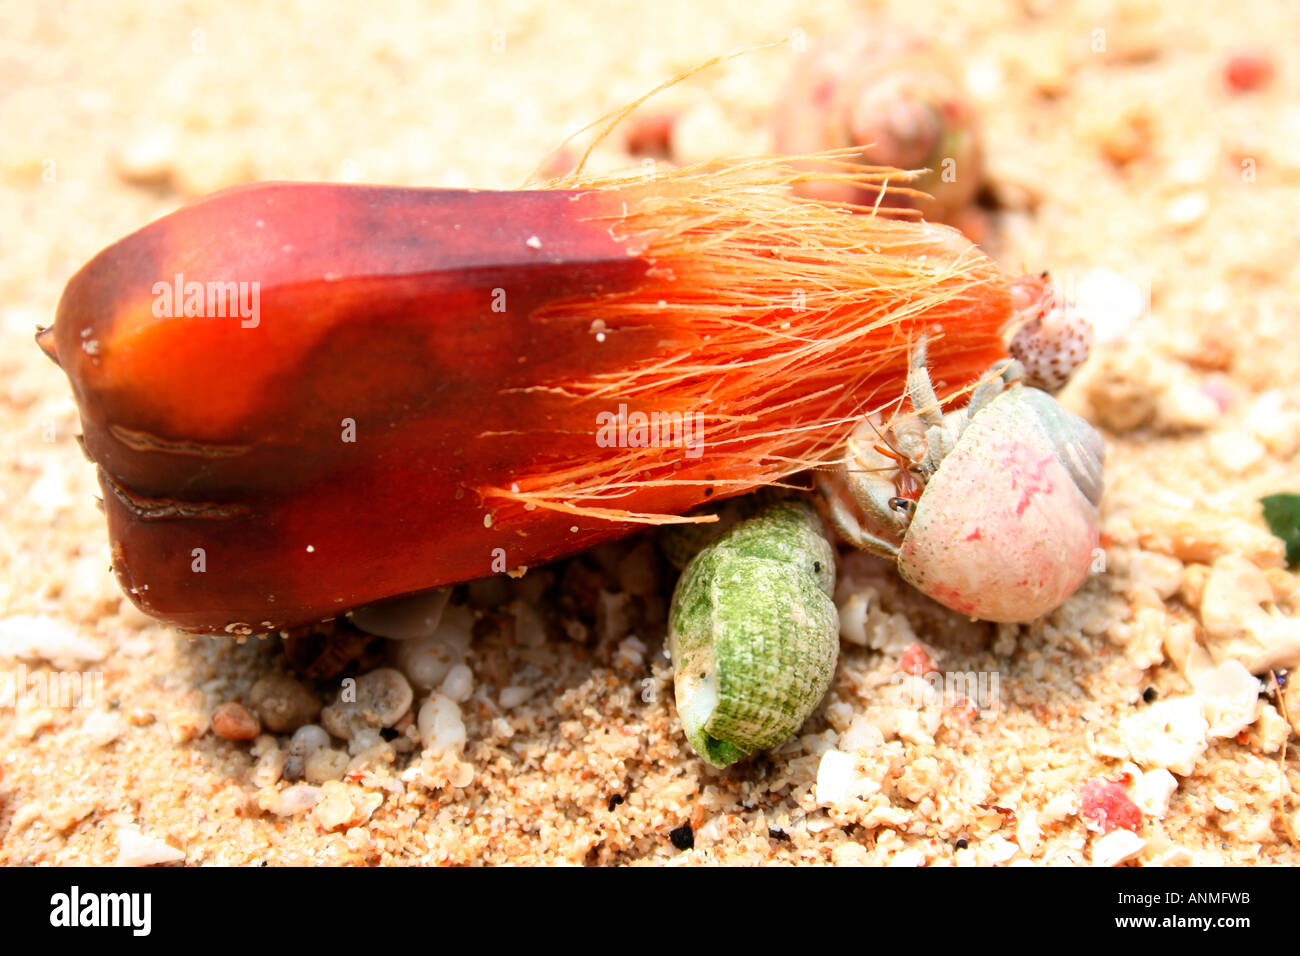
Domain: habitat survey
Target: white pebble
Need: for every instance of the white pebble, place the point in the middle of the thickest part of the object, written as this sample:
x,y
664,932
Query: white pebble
x,y
1237,624
136,849
102,727
270,762
324,765
1184,405
1187,210
1228,695
1116,847
40,637
305,741
458,684
1029,834
426,660
917,727
1171,734
403,618
462,776
308,739
910,857
382,698
374,757
1271,729
296,799
864,622
862,736
335,809
365,739
1152,792
386,695
836,778
512,697
919,779
1160,572
998,850
975,784
1063,804
147,158
631,650
1223,803
1110,302
853,618
1236,451
440,724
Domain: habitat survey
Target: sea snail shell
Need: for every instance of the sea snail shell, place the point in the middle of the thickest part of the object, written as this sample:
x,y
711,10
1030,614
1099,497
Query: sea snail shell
x,y
753,633
898,97
1007,527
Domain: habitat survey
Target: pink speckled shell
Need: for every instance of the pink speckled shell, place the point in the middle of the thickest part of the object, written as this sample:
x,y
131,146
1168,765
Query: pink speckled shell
x,y
1003,531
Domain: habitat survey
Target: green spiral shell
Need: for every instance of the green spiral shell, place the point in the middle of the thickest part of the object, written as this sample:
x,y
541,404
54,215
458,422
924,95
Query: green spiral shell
x,y
753,633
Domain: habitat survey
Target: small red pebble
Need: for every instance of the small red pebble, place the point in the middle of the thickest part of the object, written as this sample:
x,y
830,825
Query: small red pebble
x,y
235,722
916,661
1248,71
561,162
651,135
1106,807
1218,392
964,711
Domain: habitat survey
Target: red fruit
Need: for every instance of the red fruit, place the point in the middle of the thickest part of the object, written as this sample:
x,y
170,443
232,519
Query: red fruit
x,y
417,400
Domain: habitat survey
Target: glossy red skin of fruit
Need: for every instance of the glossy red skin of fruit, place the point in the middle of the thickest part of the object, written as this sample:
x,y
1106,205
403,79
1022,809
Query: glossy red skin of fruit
x,y
213,436
421,319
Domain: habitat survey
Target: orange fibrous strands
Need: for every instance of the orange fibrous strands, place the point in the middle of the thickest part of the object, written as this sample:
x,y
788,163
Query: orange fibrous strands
x,y
783,322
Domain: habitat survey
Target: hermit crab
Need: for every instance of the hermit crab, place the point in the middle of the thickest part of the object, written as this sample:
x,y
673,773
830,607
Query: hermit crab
x,y
990,510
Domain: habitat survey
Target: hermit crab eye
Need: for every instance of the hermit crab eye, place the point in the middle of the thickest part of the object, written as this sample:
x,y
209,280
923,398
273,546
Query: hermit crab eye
x,y
904,506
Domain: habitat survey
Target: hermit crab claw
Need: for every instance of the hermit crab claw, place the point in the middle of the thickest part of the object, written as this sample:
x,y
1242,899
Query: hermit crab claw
x,y
862,496
991,510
